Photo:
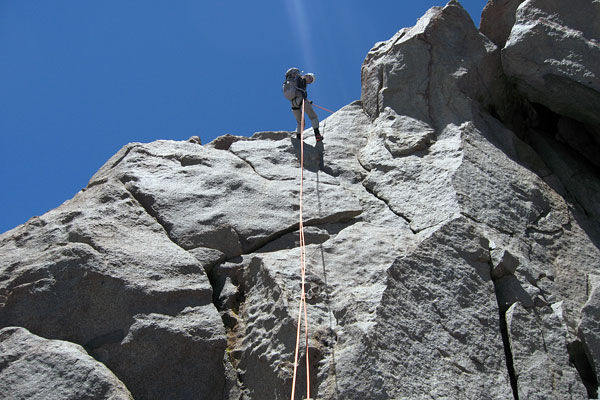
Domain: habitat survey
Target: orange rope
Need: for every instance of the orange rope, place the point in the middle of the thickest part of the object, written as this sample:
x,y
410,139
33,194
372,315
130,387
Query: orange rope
x,y
302,308
303,275
323,108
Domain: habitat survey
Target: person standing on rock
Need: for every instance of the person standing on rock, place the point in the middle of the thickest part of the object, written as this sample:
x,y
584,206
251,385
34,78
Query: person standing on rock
x,y
294,89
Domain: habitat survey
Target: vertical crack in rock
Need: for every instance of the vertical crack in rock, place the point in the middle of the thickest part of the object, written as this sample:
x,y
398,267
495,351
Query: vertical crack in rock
x,y
578,358
508,353
505,339
379,90
234,330
146,204
229,296
430,77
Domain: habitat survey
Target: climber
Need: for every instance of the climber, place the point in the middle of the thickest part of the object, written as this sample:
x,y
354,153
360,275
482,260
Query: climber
x,y
294,89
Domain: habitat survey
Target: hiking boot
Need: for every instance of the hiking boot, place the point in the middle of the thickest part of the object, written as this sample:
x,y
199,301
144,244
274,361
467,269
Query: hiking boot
x,y
318,135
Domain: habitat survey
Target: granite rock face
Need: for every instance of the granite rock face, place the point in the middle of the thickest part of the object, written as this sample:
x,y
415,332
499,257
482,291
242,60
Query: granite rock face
x,y
99,271
35,368
437,72
589,327
447,250
553,56
538,337
497,20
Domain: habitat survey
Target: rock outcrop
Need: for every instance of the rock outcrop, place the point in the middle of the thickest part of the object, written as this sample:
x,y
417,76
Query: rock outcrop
x,y
451,224
35,368
553,54
497,20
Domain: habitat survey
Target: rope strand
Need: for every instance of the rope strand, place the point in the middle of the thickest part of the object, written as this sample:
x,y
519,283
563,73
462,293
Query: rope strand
x,y
323,108
302,309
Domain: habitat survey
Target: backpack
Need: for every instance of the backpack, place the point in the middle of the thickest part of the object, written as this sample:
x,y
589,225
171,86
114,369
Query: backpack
x,y
290,89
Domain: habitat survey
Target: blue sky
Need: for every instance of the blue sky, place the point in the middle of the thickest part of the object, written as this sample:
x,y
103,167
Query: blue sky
x,y
79,79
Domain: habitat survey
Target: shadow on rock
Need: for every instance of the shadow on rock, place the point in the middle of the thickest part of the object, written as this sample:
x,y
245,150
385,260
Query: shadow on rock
x,y
313,155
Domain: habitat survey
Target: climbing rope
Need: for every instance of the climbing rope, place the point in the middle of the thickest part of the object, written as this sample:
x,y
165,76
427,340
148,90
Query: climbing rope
x,y
302,309
323,108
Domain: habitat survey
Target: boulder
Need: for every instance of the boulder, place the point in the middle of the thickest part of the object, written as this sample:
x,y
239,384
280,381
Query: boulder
x,y
553,56
434,72
497,20
32,367
101,272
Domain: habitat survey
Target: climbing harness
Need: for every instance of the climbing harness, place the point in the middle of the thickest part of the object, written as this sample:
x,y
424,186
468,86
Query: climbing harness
x,y
302,309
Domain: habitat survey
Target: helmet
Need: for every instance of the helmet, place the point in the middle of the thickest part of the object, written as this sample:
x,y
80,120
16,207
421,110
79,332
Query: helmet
x,y
292,73
312,76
